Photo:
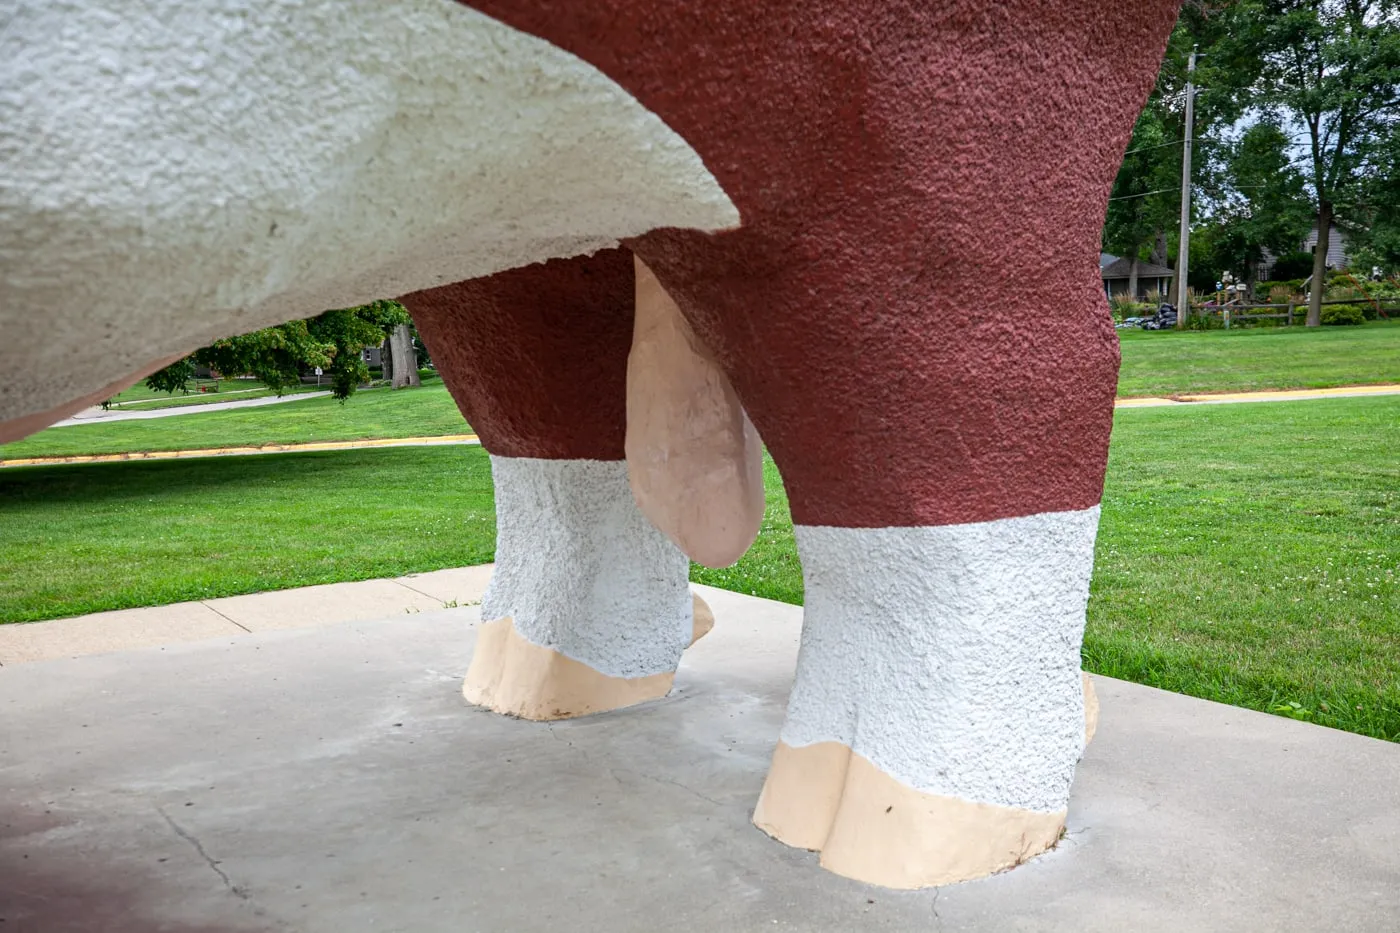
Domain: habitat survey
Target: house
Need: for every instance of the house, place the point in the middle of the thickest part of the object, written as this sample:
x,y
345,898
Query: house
x,y
1336,251
1116,273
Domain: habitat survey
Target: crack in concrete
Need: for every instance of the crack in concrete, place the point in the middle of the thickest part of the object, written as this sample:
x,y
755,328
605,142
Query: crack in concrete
x,y
936,918
661,780
225,617
199,847
549,727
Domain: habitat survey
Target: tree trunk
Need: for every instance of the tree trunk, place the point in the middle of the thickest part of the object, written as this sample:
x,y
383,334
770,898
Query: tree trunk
x,y
386,360
1159,249
404,360
1133,278
1319,276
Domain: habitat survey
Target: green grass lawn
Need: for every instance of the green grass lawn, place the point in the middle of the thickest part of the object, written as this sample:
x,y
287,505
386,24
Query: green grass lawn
x,y
1153,364
1248,554
89,537
1249,359
428,410
141,393
140,398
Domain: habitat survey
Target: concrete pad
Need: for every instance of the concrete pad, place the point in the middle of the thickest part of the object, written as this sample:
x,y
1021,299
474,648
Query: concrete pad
x,y
121,630
312,606
332,780
463,585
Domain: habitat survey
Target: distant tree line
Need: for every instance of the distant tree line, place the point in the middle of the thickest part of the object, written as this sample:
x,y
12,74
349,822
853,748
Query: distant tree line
x,y
333,341
1297,123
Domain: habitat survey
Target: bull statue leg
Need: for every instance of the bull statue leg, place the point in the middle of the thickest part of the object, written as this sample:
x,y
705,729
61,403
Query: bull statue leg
x,y
589,607
921,340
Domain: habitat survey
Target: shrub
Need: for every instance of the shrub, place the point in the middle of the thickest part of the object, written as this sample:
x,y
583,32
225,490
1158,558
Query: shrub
x,y
1290,287
1297,265
1125,307
1343,314
1199,321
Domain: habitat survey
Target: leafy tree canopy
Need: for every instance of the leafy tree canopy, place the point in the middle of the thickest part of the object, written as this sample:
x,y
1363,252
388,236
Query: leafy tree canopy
x,y
278,355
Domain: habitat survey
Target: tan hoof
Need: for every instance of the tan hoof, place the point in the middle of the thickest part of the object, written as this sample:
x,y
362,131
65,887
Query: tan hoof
x,y
873,828
516,677
1091,708
704,619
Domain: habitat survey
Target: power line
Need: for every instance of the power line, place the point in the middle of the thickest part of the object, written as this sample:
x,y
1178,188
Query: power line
x,y
1129,197
1175,142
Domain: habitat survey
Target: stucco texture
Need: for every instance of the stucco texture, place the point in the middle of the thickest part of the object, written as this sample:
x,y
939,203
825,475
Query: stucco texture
x,y
177,172
536,358
911,312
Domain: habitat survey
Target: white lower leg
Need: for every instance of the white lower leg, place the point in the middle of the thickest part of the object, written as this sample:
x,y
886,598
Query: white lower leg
x,y
589,607
944,663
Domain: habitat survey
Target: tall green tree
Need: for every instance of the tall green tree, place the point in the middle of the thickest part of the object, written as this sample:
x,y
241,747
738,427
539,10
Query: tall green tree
x,y
1331,67
1145,204
1142,206
1262,203
1377,232
277,355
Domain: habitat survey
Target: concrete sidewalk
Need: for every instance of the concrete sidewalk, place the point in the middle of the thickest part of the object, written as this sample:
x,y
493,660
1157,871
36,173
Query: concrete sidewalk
x,y
1279,395
441,440
97,415
330,779
235,616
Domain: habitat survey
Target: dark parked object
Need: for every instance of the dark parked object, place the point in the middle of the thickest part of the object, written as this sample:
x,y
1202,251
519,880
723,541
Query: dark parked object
x,y
1163,319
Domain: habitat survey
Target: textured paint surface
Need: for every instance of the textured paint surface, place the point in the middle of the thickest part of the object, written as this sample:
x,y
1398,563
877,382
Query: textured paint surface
x,y
581,570
177,172
949,656
693,456
911,313
536,357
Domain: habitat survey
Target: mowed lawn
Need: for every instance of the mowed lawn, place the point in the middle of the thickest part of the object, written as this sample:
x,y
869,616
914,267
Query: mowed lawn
x,y
1255,358
376,413
141,398
1153,364
1248,554
89,537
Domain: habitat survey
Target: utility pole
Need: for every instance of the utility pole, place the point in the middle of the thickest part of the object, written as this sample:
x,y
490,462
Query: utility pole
x,y
1183,251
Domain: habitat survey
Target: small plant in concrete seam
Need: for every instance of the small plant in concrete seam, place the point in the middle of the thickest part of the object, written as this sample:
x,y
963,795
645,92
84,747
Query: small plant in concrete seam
x,y
1293,710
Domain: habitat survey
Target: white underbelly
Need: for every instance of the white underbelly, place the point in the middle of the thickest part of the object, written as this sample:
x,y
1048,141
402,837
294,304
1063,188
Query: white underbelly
x,y
174,172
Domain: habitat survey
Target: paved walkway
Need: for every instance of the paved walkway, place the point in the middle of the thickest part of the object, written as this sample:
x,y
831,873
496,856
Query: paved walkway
x,y
97,415
1283,395
443,440
304,607
332,779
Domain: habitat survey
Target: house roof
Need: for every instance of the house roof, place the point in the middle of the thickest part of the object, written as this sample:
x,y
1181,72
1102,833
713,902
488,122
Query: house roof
x,y
1119,269
1106,259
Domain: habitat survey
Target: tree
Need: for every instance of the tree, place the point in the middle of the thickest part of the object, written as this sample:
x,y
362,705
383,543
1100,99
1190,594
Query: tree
x,y
400,357
1333,68
1142,206
1263,202
1145,204
277,355
1377,233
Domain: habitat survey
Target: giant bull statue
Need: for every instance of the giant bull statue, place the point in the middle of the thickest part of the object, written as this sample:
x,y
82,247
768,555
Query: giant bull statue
x,y
837,222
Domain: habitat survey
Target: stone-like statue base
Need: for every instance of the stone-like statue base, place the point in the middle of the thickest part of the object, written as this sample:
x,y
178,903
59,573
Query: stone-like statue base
x,y
514,676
